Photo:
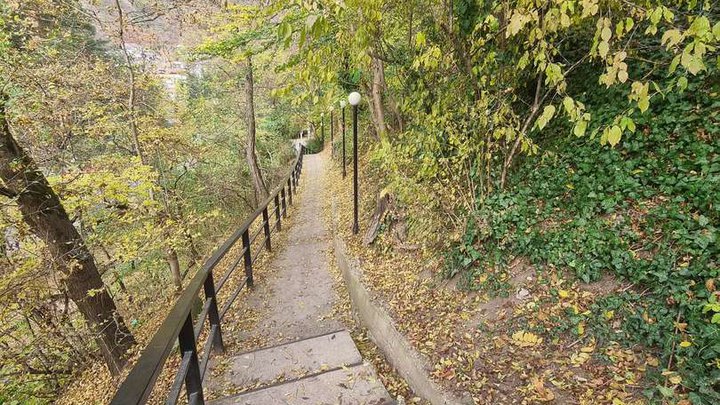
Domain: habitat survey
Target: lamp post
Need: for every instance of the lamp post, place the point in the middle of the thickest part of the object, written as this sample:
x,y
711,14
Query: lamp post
x,y
342,107
354,100
332,133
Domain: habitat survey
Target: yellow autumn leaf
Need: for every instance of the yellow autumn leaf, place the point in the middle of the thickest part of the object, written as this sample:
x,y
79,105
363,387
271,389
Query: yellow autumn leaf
x,y
526,339
614,135
542,393
588,349
563,293
579,358
685,343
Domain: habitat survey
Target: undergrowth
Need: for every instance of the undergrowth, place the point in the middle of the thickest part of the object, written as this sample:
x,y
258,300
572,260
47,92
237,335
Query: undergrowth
x,y
647,212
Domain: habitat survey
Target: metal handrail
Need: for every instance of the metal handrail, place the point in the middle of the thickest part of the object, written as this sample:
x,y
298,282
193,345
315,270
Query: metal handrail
x,y
178,326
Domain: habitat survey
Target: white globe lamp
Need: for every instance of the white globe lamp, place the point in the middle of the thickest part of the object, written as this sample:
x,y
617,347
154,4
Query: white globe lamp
x,y
354,98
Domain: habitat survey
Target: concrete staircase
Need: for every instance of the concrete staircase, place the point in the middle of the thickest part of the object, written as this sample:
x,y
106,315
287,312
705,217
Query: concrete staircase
x,y
326,369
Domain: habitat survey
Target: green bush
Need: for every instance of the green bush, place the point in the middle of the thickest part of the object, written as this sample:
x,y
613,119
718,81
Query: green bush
x,y
315,145
647,211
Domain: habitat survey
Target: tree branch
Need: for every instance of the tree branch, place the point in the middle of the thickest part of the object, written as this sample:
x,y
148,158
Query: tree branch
x,y
7,192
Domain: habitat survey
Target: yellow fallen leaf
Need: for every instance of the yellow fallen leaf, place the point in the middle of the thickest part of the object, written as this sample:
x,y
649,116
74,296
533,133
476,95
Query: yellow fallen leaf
x,y
676,379
685,343
526,339
543,394
579,358
563,293
609,314
587,349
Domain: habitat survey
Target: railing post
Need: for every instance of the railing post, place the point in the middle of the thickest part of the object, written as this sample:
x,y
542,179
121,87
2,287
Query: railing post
x,y
248,258
266,226
277,213
213,314
193,382
282,200
290,191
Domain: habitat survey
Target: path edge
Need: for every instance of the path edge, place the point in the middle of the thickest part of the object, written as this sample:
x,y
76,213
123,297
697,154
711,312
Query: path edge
x,y
409,363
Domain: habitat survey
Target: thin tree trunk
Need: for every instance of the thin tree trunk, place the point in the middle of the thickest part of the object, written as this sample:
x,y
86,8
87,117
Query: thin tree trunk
x,y
194,253
261,192
116,273
174,263
523,131
378,85
42,210
171,254
131,96
410,39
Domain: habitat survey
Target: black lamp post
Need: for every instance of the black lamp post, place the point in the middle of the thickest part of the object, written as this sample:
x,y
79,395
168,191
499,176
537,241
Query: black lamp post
x,y
332,133
354,99
342,107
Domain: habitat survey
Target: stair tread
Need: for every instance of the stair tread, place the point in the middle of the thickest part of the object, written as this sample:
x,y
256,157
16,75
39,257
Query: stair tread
x,y
358,384
289,361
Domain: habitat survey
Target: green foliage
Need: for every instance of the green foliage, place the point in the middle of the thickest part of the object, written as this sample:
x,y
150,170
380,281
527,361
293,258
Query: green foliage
x,y
315,145
647,212
68,109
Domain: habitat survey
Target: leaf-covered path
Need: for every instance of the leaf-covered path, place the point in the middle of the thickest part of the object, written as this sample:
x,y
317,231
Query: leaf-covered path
x,y
294,295
298,299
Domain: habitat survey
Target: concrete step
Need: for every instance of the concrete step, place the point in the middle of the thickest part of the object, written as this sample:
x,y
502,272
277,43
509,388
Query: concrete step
x,y
350,385
289,361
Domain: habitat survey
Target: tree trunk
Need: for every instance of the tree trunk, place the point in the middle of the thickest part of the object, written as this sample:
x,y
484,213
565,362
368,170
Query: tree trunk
x,y
171,254
261,192
42,210
174,264
378,85
523,131
131,95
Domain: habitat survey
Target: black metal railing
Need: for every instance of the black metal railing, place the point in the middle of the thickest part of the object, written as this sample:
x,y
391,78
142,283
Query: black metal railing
x,y
179,325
